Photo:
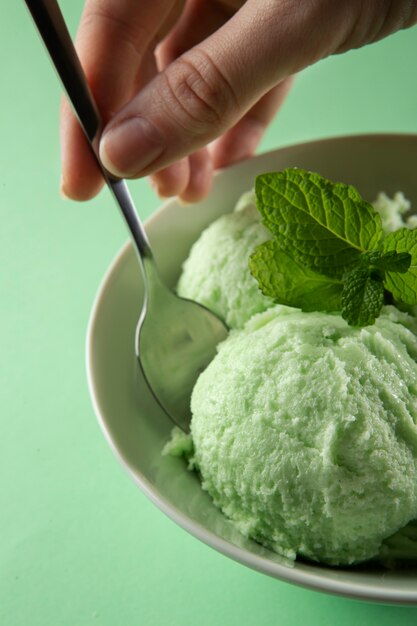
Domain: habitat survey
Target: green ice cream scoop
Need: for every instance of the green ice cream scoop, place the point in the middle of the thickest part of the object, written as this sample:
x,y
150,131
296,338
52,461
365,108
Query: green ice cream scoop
x,y
216,273
305,434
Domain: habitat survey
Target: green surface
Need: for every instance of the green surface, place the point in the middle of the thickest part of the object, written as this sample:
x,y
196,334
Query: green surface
x,y
79,544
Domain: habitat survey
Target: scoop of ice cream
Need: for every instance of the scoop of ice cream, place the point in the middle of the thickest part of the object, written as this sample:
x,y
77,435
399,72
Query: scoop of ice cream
x,y
393,212
305,432
216,272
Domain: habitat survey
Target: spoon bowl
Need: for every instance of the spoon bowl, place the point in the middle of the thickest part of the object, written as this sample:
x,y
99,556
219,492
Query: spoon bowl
x,y
175,340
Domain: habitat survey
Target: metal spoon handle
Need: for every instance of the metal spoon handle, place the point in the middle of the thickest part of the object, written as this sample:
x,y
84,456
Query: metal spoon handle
x,y
52,28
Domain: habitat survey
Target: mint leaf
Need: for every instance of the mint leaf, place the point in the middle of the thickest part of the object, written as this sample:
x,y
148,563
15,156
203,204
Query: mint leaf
x,y
387,261
311,253
328,251
403,286
362,297
322,225
288,282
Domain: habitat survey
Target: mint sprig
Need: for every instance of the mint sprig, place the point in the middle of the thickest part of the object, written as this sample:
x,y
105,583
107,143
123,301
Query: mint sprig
x,y
328,251
403,286
322,225
291,283
362,297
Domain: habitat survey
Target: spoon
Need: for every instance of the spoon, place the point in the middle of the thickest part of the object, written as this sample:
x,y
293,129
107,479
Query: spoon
x,y
175,338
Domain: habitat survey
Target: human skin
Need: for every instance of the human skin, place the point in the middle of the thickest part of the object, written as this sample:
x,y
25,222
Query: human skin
x,y
188,86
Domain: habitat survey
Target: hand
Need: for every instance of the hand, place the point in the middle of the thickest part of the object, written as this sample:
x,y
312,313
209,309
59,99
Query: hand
x,y
188,86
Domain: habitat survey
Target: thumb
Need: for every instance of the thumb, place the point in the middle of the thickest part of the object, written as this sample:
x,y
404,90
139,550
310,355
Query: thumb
x,y
210,87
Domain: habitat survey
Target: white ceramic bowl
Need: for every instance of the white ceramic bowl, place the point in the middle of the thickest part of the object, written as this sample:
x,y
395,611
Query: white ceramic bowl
x,y
133,423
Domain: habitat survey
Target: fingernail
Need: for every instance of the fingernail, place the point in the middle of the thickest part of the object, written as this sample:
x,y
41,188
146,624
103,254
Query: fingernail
x,y
62,189
130,146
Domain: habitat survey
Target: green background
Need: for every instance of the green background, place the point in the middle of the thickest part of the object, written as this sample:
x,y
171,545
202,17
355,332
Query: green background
x,y
79,543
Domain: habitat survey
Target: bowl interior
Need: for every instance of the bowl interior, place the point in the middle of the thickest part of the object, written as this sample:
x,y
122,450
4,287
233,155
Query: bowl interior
x,y
132,421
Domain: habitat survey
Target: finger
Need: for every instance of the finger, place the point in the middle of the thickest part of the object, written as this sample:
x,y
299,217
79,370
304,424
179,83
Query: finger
x,y
238,143
81,178
198,20
189,178
172,180
241,141
113,40
201,176
209,88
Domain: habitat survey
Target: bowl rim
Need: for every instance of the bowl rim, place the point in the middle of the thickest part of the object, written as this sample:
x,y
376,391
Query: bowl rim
x,y
310,580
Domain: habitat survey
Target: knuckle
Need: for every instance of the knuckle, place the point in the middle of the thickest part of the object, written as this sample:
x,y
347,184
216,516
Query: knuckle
x,y
199,95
